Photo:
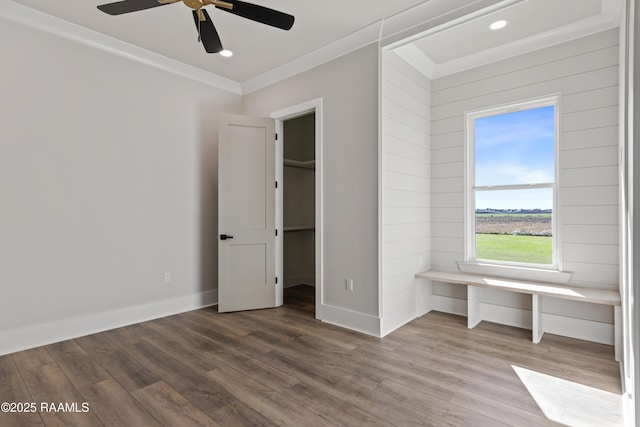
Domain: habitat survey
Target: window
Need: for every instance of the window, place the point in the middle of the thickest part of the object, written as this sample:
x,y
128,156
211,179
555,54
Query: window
x,y
511,185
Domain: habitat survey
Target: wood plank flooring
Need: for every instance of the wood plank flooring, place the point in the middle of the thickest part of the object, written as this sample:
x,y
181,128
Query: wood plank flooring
x,y
282,367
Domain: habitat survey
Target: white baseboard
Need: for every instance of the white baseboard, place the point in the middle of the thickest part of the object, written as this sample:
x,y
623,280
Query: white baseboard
x,y
391,322
60,330
360,322
510,316
578,328
449,305
587,330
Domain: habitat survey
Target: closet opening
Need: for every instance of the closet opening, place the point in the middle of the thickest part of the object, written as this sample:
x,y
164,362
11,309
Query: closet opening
x,y
298,211
299,218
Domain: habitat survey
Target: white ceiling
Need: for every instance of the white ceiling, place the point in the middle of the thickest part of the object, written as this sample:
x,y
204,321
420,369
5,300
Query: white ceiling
x,y
447,45
169,30
524,20
531,25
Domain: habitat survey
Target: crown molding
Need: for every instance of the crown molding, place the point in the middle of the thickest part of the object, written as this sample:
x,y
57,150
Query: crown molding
x,y
41,21
434,16
392,33
415,19
354,41
608,18
417,58
554,37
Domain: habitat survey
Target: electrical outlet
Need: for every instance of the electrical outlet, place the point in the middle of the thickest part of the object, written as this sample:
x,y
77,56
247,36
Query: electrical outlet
x,y
167,276
349,284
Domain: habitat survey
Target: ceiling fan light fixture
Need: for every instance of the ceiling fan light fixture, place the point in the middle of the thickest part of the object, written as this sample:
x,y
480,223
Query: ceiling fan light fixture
x,y
207,33
498,25
226,53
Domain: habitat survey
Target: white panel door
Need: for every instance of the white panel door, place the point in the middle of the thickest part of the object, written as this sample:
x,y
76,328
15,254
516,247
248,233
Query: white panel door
x,y
246,213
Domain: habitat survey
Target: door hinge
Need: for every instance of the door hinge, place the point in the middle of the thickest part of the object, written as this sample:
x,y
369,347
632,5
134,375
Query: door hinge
x,y
276,231
276,280
276,184
276,136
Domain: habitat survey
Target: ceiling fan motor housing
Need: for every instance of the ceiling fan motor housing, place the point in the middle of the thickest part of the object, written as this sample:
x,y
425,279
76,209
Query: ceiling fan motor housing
x,y
207,33
193,4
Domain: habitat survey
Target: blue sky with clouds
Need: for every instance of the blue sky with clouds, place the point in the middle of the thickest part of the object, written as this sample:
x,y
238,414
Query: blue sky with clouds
x,y
515,148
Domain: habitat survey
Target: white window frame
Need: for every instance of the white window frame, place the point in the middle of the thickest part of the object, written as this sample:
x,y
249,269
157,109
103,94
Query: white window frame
x,y
470,188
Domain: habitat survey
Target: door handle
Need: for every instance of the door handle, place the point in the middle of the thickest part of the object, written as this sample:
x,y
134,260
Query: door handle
x,y
225,237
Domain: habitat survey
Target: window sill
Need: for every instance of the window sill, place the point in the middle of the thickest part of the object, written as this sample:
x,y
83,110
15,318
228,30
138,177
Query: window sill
x,y
513,272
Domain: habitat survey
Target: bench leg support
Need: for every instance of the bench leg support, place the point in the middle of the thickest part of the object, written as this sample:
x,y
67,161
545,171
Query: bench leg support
x,y
474,314
537,326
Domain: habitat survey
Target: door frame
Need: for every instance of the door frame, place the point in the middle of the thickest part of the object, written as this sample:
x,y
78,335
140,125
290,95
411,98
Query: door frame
x,y
280,116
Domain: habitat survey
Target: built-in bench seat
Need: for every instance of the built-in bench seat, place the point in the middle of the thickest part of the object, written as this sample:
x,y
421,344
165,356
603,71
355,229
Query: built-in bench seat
x,y
475,282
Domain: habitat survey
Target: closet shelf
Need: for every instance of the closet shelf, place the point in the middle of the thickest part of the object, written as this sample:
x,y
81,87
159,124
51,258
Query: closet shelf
x,y
299,228
309,164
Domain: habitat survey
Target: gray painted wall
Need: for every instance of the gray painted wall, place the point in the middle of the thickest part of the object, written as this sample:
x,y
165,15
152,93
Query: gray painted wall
x,y
349,89
109,172
107,180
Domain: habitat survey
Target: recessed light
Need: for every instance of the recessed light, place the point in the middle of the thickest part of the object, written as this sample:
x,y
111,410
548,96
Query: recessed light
x,y
498,24
226,53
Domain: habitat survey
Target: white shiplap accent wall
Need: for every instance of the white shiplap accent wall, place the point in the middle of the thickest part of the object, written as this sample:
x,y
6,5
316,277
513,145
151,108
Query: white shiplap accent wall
x,y
406,198
585,73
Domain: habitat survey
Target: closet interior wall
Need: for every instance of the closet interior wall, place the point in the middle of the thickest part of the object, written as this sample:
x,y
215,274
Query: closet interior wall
x,y
299,201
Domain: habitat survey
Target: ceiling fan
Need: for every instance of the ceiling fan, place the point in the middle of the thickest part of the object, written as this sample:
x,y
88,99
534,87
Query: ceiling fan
x,y
207,33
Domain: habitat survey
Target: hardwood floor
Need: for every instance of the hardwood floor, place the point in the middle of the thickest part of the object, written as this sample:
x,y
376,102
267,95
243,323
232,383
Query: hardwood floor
x,y
282,367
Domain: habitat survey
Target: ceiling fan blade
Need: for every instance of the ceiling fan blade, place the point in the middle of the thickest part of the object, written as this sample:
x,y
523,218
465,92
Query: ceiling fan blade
x,y
260,14
208,34
127,6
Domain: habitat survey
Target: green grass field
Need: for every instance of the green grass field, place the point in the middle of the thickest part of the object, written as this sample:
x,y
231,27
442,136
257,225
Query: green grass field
x,y
505,247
